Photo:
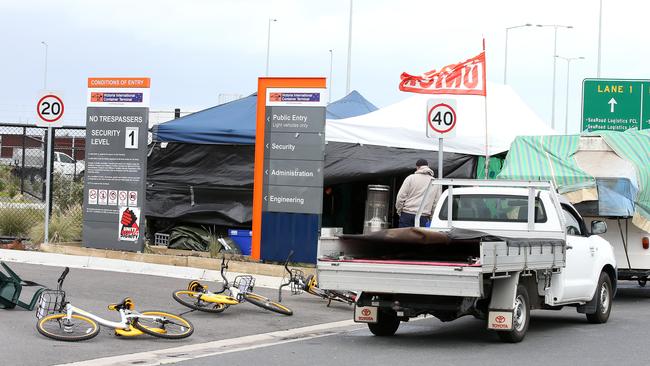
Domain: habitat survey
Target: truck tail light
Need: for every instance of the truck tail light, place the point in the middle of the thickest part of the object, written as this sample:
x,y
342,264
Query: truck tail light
x,y
646,242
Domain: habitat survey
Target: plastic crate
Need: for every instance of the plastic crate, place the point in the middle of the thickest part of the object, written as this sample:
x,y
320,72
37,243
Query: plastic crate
x,y
161,239
243,238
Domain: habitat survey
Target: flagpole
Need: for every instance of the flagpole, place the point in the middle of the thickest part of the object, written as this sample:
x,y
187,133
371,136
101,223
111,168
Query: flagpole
x,y
487,154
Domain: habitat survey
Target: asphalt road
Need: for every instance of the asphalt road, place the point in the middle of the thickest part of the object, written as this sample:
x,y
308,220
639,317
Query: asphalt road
x,y
91,290
554,338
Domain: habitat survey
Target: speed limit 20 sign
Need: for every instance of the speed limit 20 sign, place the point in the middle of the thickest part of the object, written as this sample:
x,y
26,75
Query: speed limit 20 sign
x,y
441,118
49,110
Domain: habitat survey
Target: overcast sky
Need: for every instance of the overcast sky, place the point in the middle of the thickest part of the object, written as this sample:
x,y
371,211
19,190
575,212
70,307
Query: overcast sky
x,y
195,50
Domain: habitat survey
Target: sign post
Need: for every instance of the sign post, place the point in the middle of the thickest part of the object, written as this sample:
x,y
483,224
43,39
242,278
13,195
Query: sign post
x,y
116,163
49,112
289,157
615,105
441,124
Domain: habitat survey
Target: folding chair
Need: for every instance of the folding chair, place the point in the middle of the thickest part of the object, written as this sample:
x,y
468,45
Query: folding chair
x,y
10,288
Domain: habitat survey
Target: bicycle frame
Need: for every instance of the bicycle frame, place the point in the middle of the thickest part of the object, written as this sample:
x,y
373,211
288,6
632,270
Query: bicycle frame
x,y
298,281
125,316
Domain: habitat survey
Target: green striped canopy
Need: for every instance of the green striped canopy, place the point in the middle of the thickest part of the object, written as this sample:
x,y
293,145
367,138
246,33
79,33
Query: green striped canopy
x,y
634,146
552,158
546,158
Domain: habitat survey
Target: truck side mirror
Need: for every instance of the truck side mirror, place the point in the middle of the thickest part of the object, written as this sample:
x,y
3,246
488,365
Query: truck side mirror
x,y
598,227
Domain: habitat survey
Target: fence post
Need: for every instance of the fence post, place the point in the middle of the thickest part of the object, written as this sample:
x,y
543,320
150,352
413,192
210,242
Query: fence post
x,y
22,169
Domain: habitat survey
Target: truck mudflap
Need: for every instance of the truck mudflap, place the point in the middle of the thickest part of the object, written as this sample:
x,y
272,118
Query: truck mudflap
x,y
500,320
365,314
391,277
502,302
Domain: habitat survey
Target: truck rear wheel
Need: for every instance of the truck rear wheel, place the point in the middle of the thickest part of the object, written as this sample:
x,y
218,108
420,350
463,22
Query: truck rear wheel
x,y
387,324
520,318
603,298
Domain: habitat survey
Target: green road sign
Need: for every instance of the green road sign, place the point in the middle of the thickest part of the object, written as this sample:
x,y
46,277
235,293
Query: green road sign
x,y
615,105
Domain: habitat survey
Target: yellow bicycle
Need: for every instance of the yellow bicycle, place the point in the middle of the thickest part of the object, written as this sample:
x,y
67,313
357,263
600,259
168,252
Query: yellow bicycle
x,y
60,320
198,297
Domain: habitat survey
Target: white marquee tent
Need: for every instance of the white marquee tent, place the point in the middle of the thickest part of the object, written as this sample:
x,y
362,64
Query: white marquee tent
x,y
403,124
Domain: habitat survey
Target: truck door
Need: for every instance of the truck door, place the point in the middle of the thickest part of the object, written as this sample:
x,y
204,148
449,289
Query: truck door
x,y
580,259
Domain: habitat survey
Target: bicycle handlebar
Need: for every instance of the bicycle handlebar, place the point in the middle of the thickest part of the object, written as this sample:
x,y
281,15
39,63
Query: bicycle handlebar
x,y
290,280
286,263
224,267
62,277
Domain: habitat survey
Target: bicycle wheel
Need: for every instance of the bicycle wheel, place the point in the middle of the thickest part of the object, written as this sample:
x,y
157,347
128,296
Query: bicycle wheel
x,y
78,328
192,300
164,325
267,304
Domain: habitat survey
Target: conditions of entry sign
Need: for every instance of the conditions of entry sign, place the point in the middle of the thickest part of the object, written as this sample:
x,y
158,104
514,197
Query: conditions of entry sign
x,y
116,161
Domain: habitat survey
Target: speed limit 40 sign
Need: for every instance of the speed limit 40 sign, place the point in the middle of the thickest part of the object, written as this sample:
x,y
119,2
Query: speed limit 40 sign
x,y
441,118
49,110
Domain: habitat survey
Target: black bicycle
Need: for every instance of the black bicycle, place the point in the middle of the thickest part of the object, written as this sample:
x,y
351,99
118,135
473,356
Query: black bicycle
x,y
299,283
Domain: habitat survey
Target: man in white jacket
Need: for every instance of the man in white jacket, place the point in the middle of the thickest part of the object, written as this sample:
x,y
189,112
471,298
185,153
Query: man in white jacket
x,y
411,195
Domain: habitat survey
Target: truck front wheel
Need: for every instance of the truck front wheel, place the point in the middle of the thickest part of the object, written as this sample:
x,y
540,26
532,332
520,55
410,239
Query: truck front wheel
x,y
520,318
387,323
603,297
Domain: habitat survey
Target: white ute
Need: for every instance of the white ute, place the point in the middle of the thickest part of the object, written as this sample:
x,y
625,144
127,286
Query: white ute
x,y
500,250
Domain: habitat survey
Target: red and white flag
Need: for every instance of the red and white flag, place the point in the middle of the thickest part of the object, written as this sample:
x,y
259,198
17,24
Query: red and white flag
x,y
467,77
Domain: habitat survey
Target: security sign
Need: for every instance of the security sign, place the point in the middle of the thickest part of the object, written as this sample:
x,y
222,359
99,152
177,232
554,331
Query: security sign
x,y
49,110
441,118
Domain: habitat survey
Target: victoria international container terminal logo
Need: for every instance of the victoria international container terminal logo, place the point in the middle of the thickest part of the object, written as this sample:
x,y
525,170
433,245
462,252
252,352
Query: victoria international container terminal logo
x,y
103,97
294,97
129,223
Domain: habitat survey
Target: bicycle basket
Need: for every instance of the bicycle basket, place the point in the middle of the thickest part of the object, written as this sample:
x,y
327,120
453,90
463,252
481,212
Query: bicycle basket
x,y
244,283
297,281
50,302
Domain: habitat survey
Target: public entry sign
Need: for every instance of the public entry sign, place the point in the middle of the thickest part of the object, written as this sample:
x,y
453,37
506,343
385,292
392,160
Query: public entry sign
x,y
116,161
615,105
294,150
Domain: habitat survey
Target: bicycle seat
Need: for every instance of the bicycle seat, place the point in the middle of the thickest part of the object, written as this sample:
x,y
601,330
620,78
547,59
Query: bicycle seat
x,y
127,303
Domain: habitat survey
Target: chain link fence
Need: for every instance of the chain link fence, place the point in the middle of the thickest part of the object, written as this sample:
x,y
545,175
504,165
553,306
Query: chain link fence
x,y
22,182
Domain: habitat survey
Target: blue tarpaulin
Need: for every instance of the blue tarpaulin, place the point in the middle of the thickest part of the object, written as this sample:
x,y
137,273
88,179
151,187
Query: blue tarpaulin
x,y
229,123
352,105
234,122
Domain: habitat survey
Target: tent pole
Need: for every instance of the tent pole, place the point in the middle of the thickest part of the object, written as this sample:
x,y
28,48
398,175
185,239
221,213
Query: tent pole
x,y
487,154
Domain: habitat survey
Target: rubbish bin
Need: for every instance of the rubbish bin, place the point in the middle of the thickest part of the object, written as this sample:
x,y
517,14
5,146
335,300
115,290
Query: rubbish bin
x,y
243,238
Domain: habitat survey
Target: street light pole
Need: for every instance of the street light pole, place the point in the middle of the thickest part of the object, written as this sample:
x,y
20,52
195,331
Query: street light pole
x,y
268,46
555,27
330,79
600,31
347,83
45,73
505,62
568,74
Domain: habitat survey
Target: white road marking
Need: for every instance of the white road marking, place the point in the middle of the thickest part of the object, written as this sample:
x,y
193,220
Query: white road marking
x,y
194,351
